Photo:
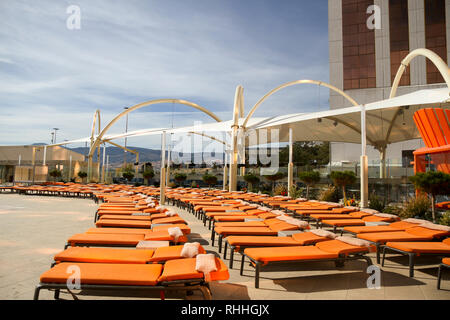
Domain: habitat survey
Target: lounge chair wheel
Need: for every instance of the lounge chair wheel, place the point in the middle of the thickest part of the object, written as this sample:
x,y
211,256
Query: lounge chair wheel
x,y
36,292
56,295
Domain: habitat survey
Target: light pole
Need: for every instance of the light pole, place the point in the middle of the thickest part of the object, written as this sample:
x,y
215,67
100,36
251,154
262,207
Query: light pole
x,y
54,135
125,145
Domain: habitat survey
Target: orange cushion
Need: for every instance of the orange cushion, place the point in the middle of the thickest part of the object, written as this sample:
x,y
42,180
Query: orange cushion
x,y
288,253
122,217
420,247
446,261
123,223
339,247
105,239
240,224
344,222
118,230
170,253
104,273
103,255
184,269
184,228
163,235
245,231
262,241
168,220
307,238
383,237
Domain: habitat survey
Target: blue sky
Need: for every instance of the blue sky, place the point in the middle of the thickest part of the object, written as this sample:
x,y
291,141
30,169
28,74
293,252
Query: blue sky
x,y
128,52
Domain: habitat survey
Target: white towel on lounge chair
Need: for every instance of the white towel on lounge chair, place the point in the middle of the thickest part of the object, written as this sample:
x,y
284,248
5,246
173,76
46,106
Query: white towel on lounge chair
x,y
416,221
299,223
432,226
354,241
206,263
278,212
175,232
283,217
190,249
170,213
386,215
324,233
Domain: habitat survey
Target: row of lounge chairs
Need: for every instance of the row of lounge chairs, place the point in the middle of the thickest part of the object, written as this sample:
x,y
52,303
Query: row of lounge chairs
x,y
181,267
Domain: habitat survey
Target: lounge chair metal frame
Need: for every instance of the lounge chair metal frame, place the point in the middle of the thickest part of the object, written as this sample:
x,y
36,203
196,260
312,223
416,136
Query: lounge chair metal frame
x,y
180,285
439,278
411,256
338,261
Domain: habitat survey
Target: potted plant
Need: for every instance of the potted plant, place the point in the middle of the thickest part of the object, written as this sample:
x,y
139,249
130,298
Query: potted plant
x,y
82,175
209,179
434,183
310,178
148,174
343,179
251,179
55,173
180,177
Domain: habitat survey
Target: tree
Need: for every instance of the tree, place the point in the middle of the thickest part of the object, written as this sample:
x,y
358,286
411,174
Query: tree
x,y
434,183
82,175
180,177
306,152
342,179
251,179
209,179
55,173
127,173
310,178
148,174
275,177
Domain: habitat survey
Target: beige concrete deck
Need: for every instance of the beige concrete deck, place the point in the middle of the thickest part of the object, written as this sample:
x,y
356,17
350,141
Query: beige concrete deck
x,y
34,228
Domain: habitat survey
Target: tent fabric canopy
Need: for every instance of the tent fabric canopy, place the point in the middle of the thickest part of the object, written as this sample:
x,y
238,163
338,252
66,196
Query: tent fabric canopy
x,y
387,121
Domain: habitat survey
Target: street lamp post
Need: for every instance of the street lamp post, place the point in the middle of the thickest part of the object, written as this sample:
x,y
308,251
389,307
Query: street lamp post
x,y
54,135
125,145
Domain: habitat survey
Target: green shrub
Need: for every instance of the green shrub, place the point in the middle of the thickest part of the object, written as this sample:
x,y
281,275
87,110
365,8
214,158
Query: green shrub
x,y
280,190
251,180
180,177
376,203
417,208
330,194
295,191
391,209
445,219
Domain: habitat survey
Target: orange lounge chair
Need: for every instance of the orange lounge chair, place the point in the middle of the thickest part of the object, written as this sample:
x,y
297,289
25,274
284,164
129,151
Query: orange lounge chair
x,y
117,255
240,243
273,226
420,233
394,226
104,223
415,249
332,250
179,274
445,264
119,240
339,223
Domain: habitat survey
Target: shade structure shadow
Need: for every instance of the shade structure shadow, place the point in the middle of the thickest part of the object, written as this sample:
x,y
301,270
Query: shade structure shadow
x,y
426,263
132,294
196,237
342,281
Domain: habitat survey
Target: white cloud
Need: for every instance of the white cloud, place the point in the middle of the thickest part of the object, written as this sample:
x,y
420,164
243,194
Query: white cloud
x,y
129,52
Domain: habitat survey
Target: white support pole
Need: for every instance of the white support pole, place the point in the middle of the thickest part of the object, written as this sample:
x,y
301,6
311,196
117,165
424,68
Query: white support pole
x,y
364,167
291,164
168,160
20,159
70,168
107,167
103,163
45,156
162,179
225,169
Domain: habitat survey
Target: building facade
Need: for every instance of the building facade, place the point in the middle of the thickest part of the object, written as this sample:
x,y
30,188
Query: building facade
x,y
367,41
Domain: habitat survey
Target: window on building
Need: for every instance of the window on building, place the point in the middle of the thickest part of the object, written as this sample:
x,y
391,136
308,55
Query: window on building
x,y
435,36
399,37
358,45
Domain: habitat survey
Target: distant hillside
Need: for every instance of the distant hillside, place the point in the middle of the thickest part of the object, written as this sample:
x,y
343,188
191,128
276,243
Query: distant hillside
x,y
116,155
